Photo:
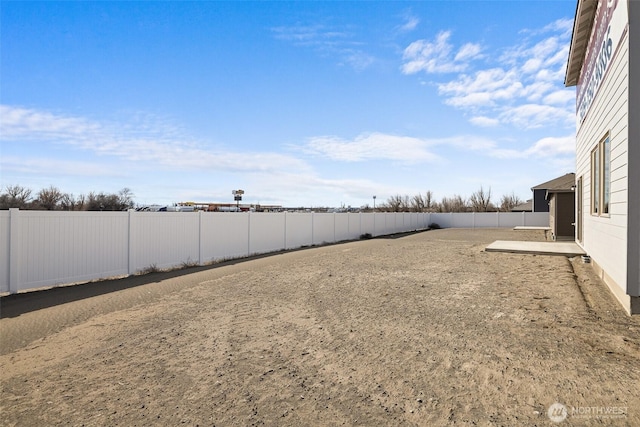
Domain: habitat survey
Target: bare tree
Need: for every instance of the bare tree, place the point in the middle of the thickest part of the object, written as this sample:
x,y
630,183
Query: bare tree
x,y
417,203
48,198
15,196
81,202
429,202
68,202
394,203
110,202
480,201
126,198
453,204
509,201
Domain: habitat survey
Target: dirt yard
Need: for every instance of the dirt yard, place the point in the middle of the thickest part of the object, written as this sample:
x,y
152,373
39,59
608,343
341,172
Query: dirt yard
x,y
423,329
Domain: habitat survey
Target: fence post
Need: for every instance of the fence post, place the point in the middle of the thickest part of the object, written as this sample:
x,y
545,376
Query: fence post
x,y
130,242
200,238
15,238
334,227
285,230
249,233
374,225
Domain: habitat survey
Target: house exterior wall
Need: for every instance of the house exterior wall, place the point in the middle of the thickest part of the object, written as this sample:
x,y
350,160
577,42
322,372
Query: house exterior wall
x,y
540,203
606,112
633,155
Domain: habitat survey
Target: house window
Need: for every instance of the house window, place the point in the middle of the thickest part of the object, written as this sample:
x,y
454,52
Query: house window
x,y
601,177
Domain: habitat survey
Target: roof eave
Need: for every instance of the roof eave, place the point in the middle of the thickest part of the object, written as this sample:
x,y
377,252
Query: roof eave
x,y
582,24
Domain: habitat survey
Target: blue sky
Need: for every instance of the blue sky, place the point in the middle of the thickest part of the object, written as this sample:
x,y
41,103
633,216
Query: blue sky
x,y
298,104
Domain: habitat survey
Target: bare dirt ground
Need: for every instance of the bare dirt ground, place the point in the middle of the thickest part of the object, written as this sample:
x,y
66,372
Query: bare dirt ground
x,y
422,329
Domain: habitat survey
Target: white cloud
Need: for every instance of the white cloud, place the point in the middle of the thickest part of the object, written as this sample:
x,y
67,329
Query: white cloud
x,y
482,89
469,142
23,123
560,97
484,121
410,24
308,35
532,65
358,60
372,146
157,144
52,167
522,88
550,147
468,51
328,42
563,26
531,116
437,56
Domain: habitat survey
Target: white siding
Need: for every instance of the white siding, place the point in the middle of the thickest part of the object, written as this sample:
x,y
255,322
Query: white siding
x,y
605,237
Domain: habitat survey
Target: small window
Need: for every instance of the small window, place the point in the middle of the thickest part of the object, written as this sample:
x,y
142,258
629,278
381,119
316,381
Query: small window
x,y
606,175
595,181
601,177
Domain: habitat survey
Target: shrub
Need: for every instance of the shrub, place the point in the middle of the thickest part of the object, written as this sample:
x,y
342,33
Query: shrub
x,y
434,226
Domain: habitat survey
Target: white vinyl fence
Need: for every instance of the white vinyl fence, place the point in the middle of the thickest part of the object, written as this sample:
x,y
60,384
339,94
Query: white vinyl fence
x,y
48,248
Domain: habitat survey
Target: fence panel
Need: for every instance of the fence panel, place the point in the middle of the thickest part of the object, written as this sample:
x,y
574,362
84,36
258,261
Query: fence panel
x,y
266,232
66,247
5,249
536,219
368,224
323,228
486,219
443,220
380,220
40,248
412,221
163,239
224,235
342,227
355,225
299,231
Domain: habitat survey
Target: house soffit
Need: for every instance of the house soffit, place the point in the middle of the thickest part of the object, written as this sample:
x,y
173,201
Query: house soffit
x,y
582,25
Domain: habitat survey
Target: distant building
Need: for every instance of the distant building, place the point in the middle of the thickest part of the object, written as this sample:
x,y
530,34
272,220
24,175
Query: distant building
x,y
604,64
523,207
541,191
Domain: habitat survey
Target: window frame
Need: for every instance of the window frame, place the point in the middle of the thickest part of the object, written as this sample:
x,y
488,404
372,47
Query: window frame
x,y
601,177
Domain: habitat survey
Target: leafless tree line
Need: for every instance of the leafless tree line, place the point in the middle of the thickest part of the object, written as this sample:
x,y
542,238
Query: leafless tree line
x,y
16,196
479,201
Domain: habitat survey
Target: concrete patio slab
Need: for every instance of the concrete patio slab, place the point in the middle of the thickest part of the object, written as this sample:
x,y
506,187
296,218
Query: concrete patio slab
x,y
541,248
527,227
